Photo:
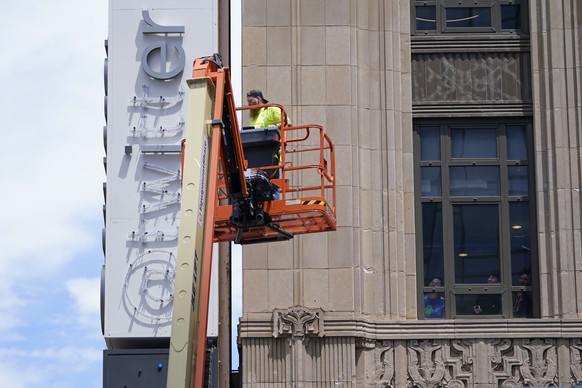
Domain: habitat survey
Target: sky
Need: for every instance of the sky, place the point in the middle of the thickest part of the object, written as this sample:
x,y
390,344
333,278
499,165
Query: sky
x,y
51,159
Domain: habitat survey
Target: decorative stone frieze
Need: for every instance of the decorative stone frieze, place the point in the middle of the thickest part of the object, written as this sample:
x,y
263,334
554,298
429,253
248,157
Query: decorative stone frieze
x,y
384,356
576,360
466,363
576,357
426,363
365,343
540,364
298,322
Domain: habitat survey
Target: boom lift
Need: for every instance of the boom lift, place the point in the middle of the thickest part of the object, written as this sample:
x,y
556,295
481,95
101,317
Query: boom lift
x,y
223,199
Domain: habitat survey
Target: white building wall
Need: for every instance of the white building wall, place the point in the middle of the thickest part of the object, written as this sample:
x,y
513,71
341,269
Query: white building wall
x,y
145,121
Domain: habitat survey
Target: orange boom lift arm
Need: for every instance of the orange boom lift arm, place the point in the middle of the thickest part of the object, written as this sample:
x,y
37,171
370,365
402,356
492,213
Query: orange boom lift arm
x,y
225,200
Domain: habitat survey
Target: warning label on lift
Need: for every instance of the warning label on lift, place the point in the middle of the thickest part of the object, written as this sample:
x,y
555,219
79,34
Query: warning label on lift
x,y
300,202
314,202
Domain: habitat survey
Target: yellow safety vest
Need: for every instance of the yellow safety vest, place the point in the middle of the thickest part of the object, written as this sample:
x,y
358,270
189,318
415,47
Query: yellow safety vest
x,y
265,117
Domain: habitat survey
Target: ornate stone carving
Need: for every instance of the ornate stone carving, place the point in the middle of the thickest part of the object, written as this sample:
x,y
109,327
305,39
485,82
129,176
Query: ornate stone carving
x,y
425,363
468,78
365,343
505,364
576,360
384,364
539,368
298,322
459,363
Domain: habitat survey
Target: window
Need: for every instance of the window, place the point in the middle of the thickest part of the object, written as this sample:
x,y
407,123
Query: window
x,y
485,16
475,218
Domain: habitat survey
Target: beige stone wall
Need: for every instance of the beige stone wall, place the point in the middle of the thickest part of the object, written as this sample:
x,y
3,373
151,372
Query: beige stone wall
x,y
556,42
346,64
343,64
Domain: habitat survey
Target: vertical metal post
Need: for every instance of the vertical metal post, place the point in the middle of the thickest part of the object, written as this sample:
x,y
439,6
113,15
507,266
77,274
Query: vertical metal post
x,y
224,315
224,251
208,238
191,239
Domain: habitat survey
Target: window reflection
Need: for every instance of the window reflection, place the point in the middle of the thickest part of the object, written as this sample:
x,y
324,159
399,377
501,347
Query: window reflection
x,y
430,145
518,181
426,18
473,143
516,142
511,17
431,181
519,239
432,240
474,180
476,242
469,17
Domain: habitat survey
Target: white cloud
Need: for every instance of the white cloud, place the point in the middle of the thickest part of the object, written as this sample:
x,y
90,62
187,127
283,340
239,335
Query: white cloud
x,y
49,368
85,293
10,306
51,152
52,138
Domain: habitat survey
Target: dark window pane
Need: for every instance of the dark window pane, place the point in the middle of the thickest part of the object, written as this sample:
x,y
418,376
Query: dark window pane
x,y
426,18
430,144
473,143
484,304
465,304
511,17
522,304
476,243
518,182
431,181
520,243
432,241
516,142
474,181
487,304
469,17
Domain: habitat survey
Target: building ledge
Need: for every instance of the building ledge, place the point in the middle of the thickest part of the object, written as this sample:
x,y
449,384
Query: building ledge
x,y
341,325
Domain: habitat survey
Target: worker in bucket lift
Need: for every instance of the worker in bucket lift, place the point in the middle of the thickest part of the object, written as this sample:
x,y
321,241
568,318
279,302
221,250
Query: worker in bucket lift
x,y
265,117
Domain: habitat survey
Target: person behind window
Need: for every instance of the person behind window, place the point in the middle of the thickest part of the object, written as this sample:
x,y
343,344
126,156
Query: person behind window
x,y
489,304
434,303
522,306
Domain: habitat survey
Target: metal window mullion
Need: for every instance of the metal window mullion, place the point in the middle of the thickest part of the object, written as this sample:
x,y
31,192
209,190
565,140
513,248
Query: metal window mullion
x,y
441,17
535,265
473,162
483,200
447,215
524,10
496,16
413,5
504,228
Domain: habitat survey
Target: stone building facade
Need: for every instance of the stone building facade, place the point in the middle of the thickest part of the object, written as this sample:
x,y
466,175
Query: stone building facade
x,y
346,308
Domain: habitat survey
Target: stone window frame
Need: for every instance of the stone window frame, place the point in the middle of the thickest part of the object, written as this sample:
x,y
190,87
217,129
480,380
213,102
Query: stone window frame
x,y
449,290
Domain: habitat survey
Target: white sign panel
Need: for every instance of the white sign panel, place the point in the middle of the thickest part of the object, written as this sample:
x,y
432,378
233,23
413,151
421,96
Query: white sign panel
x,y
150,51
